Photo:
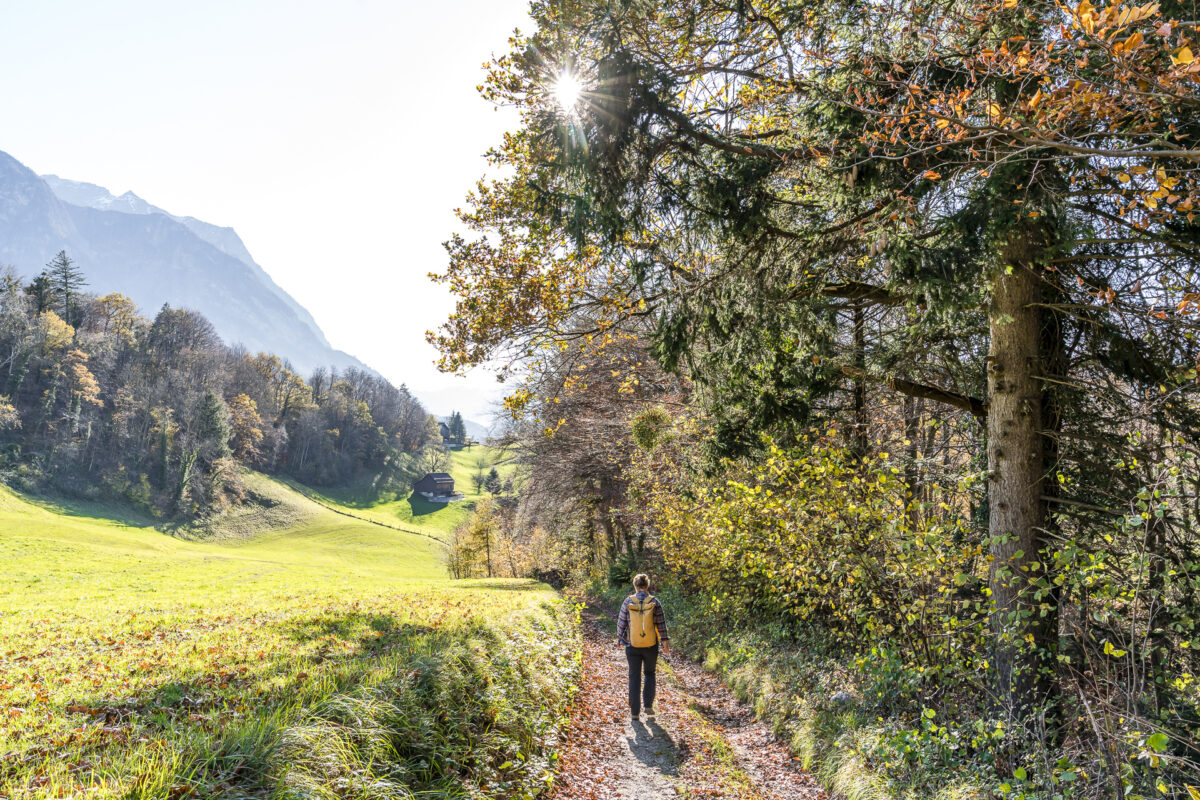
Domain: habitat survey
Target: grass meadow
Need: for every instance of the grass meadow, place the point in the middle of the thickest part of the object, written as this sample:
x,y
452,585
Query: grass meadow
x,y
304,655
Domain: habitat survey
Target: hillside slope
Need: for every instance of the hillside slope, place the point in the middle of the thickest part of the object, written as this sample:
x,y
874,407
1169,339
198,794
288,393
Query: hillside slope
x,y
412,512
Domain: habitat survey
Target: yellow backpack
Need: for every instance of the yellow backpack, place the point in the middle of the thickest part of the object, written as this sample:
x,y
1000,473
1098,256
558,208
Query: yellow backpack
x,y
642,630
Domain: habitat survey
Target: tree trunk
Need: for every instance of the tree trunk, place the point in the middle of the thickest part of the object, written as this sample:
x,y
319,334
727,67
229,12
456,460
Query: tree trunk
x,y
611,544
487,547
861,439
912,470
1020,457
186,463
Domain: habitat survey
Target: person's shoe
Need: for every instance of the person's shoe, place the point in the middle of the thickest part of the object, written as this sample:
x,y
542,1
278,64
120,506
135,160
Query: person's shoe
x,y
633,715
649,711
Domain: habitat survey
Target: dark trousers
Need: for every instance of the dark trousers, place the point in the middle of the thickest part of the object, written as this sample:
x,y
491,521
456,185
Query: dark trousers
x,y
641,659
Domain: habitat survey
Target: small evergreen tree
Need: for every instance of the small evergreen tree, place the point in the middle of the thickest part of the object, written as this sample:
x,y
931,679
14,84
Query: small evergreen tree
x,y
40,292
458,428
212,429
67,282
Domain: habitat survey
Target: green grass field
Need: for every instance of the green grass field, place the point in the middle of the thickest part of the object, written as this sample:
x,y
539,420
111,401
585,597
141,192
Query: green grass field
x,y
303,654
409,511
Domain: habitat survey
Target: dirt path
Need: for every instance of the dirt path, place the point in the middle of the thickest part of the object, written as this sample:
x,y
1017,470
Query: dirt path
x,y
703,743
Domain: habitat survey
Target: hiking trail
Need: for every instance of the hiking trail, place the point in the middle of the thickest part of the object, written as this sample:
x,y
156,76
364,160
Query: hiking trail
x,y
703,743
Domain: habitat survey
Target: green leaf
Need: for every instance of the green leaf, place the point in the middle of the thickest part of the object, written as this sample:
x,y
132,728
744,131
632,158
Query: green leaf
x,y
1020,774
1158,742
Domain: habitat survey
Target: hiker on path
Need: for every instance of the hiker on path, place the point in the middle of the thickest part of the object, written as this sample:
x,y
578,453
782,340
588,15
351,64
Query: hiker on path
x,y
641,627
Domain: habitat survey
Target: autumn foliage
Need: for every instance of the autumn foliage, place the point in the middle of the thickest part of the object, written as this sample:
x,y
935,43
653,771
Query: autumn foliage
x,y
961,234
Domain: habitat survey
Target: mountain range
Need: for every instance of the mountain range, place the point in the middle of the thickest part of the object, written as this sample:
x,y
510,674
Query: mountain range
x,y
125,244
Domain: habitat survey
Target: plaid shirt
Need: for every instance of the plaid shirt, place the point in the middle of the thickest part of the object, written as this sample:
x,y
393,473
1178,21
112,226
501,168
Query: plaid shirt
x,y
660,620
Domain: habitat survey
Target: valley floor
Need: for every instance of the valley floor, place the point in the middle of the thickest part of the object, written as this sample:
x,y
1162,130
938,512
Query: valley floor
x,y
703,743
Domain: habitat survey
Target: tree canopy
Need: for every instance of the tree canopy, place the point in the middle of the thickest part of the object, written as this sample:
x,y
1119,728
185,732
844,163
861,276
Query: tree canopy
x,y
873,215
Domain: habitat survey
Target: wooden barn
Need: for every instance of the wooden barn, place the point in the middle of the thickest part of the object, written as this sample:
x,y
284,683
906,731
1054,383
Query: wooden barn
x,y
437,487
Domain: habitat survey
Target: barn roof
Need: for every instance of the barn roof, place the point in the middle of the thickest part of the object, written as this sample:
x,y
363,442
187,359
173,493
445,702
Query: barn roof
x,y
440,476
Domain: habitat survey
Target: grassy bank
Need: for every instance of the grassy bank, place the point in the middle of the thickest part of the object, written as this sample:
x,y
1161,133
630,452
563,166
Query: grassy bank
x,y
324,657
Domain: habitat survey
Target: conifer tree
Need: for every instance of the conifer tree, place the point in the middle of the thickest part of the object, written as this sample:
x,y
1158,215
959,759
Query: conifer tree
x,y
212,429
67,282
458,428
41,292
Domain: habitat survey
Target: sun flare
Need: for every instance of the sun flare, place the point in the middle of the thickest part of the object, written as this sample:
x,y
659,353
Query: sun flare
x,y
567,90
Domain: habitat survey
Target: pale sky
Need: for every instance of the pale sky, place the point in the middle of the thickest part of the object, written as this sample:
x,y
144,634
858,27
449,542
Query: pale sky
x,y
336,137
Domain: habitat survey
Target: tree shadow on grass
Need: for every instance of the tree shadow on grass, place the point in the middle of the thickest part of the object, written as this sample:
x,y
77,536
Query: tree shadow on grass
x,y
381,626
228,724
501,584
111,511
422,507
356,495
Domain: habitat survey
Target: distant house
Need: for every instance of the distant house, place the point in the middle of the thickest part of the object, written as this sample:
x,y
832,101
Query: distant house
x,y
445,429
437,487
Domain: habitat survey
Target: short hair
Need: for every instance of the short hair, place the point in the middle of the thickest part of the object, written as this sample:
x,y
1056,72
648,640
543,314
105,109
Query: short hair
x,y
641,581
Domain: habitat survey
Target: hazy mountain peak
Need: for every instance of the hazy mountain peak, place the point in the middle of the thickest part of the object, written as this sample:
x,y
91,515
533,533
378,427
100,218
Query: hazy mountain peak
x,y
225,239
135,205
126,244
90,195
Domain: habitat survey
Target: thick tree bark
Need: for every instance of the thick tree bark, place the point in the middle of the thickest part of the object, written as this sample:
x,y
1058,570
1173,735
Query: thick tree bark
x,y
1020,459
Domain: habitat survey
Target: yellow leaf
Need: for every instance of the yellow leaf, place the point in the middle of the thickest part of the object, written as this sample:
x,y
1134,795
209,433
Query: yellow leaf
x,y
933,176
942,124
1183,57
1010,3
1123,177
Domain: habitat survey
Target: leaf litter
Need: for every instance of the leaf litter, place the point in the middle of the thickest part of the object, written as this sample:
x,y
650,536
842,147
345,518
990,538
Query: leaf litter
x,y
703,743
